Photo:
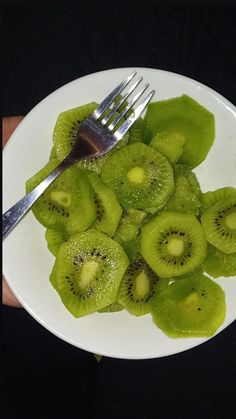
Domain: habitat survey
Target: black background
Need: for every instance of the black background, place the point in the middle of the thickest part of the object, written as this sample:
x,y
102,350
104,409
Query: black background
x,y
44,48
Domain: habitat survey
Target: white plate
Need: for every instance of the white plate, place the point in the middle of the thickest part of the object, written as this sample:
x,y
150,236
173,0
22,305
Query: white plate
x,y
27,261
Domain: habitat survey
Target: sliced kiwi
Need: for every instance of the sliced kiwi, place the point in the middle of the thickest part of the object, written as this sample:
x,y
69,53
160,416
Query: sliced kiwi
x,y
219,223
108,209
136,131
112,308
186,197
140,176
88,271
218,263
66,128
208,199
129,224
67,203
54,239
173,244
137,288
186,117
169,144
192,306
131,248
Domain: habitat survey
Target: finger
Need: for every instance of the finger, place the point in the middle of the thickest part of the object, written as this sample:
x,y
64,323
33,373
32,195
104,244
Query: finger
x,y
8,297
9,124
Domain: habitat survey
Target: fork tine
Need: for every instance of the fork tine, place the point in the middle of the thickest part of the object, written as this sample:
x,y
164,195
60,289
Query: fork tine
x,y
127,108
111,113
112,96
120,132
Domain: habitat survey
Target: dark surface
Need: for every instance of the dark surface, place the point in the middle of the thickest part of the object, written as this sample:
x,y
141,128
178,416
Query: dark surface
x,y
43,376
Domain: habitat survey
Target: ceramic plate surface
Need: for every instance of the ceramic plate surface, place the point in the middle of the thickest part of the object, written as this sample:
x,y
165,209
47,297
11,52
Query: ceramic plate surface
x,y
27,261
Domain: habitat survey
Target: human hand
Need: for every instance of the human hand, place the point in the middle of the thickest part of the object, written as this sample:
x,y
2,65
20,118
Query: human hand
x,y
9,124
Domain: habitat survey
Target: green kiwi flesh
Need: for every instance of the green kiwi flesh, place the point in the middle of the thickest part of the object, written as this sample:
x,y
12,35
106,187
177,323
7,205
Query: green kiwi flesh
x,y
137,288
219,223
186,117
54,239
140,176
111,308
208,199
169,144
66,128
136,131
129,224
67,203
108,209
186,197
87,272
192,306
173,244
218,263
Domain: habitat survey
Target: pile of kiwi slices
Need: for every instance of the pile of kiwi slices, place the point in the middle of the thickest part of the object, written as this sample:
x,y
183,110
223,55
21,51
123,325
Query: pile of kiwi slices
x,y
132,230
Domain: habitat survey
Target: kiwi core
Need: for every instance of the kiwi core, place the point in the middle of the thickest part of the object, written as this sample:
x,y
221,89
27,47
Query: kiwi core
x,y
175,247
136,175
190,301
142,284
231,220
62,198
87,273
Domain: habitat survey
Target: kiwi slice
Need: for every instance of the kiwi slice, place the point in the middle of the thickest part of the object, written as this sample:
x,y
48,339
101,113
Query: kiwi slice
x,y
131,248
67,203
112,308
129,224
52,155
88,271
169,144
66,128
218,263
140,176
65,133
137,288
192,306
136,131
186,117
173,244
54,239
208,199
219,223
108,209
186,197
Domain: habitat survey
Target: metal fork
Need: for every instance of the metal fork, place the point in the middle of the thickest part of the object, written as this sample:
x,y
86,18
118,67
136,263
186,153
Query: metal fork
x,y
95,137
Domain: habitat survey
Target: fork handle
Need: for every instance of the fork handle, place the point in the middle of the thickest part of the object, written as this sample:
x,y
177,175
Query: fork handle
x,y
12,217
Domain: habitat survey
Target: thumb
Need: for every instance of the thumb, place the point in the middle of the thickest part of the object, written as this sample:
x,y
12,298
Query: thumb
x,y
9,124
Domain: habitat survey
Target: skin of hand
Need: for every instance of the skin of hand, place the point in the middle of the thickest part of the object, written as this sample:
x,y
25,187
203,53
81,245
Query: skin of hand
x,y
9,124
